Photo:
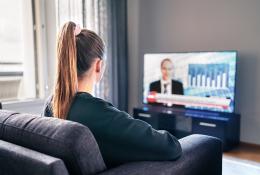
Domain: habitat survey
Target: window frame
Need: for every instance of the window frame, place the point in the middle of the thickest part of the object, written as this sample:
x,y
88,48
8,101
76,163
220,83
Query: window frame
x,y
44,53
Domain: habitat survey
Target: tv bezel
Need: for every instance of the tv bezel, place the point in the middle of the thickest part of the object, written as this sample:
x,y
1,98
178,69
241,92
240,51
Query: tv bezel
x,y
187,108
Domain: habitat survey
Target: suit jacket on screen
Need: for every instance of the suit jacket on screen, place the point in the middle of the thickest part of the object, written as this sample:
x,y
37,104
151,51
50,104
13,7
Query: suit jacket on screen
x,y
177,87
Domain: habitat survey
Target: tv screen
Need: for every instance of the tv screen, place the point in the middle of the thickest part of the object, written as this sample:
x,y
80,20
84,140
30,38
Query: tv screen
x,y
197,80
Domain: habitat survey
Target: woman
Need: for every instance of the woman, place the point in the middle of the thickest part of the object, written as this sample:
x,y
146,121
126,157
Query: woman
x,y
120,137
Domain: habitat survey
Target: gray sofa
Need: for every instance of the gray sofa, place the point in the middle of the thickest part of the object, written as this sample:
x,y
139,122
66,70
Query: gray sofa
x,y
34,145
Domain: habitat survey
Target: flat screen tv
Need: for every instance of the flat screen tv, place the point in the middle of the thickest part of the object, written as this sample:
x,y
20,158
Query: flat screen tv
x,y
196,80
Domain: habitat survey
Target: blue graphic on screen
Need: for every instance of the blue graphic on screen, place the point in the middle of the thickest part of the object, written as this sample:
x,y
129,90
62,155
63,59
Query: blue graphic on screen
x,y
212,80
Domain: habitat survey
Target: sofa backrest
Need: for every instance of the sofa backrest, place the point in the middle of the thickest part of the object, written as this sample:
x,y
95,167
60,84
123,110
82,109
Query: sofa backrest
x,y
17,160
67,140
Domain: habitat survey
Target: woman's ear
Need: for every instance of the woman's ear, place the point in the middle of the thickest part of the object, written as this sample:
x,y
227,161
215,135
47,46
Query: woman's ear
x,y
99,69
98,66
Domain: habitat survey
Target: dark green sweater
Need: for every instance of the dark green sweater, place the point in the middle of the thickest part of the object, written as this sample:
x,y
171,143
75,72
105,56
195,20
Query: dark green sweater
x,y
120,137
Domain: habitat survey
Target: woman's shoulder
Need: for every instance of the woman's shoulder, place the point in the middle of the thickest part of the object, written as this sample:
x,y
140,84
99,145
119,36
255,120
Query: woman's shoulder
x,y
98,104
88,98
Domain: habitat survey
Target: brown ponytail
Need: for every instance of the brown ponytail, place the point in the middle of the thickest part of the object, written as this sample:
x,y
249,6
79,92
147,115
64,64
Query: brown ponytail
x,y
75,55
66,79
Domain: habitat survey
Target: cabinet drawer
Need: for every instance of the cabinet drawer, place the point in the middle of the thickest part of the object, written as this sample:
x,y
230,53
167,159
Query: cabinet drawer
x,y
209,127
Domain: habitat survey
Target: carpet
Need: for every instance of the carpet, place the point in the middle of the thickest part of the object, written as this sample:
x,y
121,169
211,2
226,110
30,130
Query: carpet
x,y
236,166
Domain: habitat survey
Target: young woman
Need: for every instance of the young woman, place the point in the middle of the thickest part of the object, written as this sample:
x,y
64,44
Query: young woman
x,y
120,137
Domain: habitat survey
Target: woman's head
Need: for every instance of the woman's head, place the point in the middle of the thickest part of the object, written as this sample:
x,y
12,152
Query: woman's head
x,y
77,51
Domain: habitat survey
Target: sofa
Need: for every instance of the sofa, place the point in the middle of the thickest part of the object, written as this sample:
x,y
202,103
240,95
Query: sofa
x,y
35,145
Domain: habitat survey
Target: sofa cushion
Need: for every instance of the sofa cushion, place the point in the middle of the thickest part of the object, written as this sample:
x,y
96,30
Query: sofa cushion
x,y
202,155
67,140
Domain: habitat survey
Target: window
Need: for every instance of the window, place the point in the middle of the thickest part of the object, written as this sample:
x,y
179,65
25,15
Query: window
x,y
17,60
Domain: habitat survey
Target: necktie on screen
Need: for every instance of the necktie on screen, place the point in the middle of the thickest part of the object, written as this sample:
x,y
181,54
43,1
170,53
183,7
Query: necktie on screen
x,y
165,88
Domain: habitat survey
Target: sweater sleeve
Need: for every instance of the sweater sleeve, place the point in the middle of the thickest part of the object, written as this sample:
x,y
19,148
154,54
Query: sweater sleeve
x,y
123,138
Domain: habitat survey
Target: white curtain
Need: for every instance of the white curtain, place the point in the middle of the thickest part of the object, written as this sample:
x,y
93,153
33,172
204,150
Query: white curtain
x,y
69,10
96,19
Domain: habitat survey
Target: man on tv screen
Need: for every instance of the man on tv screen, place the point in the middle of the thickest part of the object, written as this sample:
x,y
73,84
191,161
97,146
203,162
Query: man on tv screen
x,y
166,85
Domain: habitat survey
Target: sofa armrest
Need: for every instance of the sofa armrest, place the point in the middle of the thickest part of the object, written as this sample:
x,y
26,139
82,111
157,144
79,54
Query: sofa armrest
x,y
17,160
201,155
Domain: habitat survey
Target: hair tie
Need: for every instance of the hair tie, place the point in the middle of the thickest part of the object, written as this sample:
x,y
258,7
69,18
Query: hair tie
x,y
77,30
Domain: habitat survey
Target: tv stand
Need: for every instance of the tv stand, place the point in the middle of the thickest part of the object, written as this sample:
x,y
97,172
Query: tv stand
x,y
182,122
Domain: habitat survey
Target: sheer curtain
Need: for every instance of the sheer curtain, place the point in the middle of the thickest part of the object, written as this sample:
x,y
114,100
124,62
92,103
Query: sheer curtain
x,y
69,10
108,19
96,18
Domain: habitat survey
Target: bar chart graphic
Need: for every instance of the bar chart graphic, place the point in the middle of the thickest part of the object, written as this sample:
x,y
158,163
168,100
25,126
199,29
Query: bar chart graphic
x,y
208,76
211,80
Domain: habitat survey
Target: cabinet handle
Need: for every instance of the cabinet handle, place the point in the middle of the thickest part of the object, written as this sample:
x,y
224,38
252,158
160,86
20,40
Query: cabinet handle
x,y
144,115
207,124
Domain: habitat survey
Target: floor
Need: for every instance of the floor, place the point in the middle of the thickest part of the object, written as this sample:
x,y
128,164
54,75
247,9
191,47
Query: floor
x,y
243,160
246,151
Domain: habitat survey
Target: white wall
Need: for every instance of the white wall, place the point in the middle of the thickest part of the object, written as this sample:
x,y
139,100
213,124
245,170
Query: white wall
x,y
201,25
